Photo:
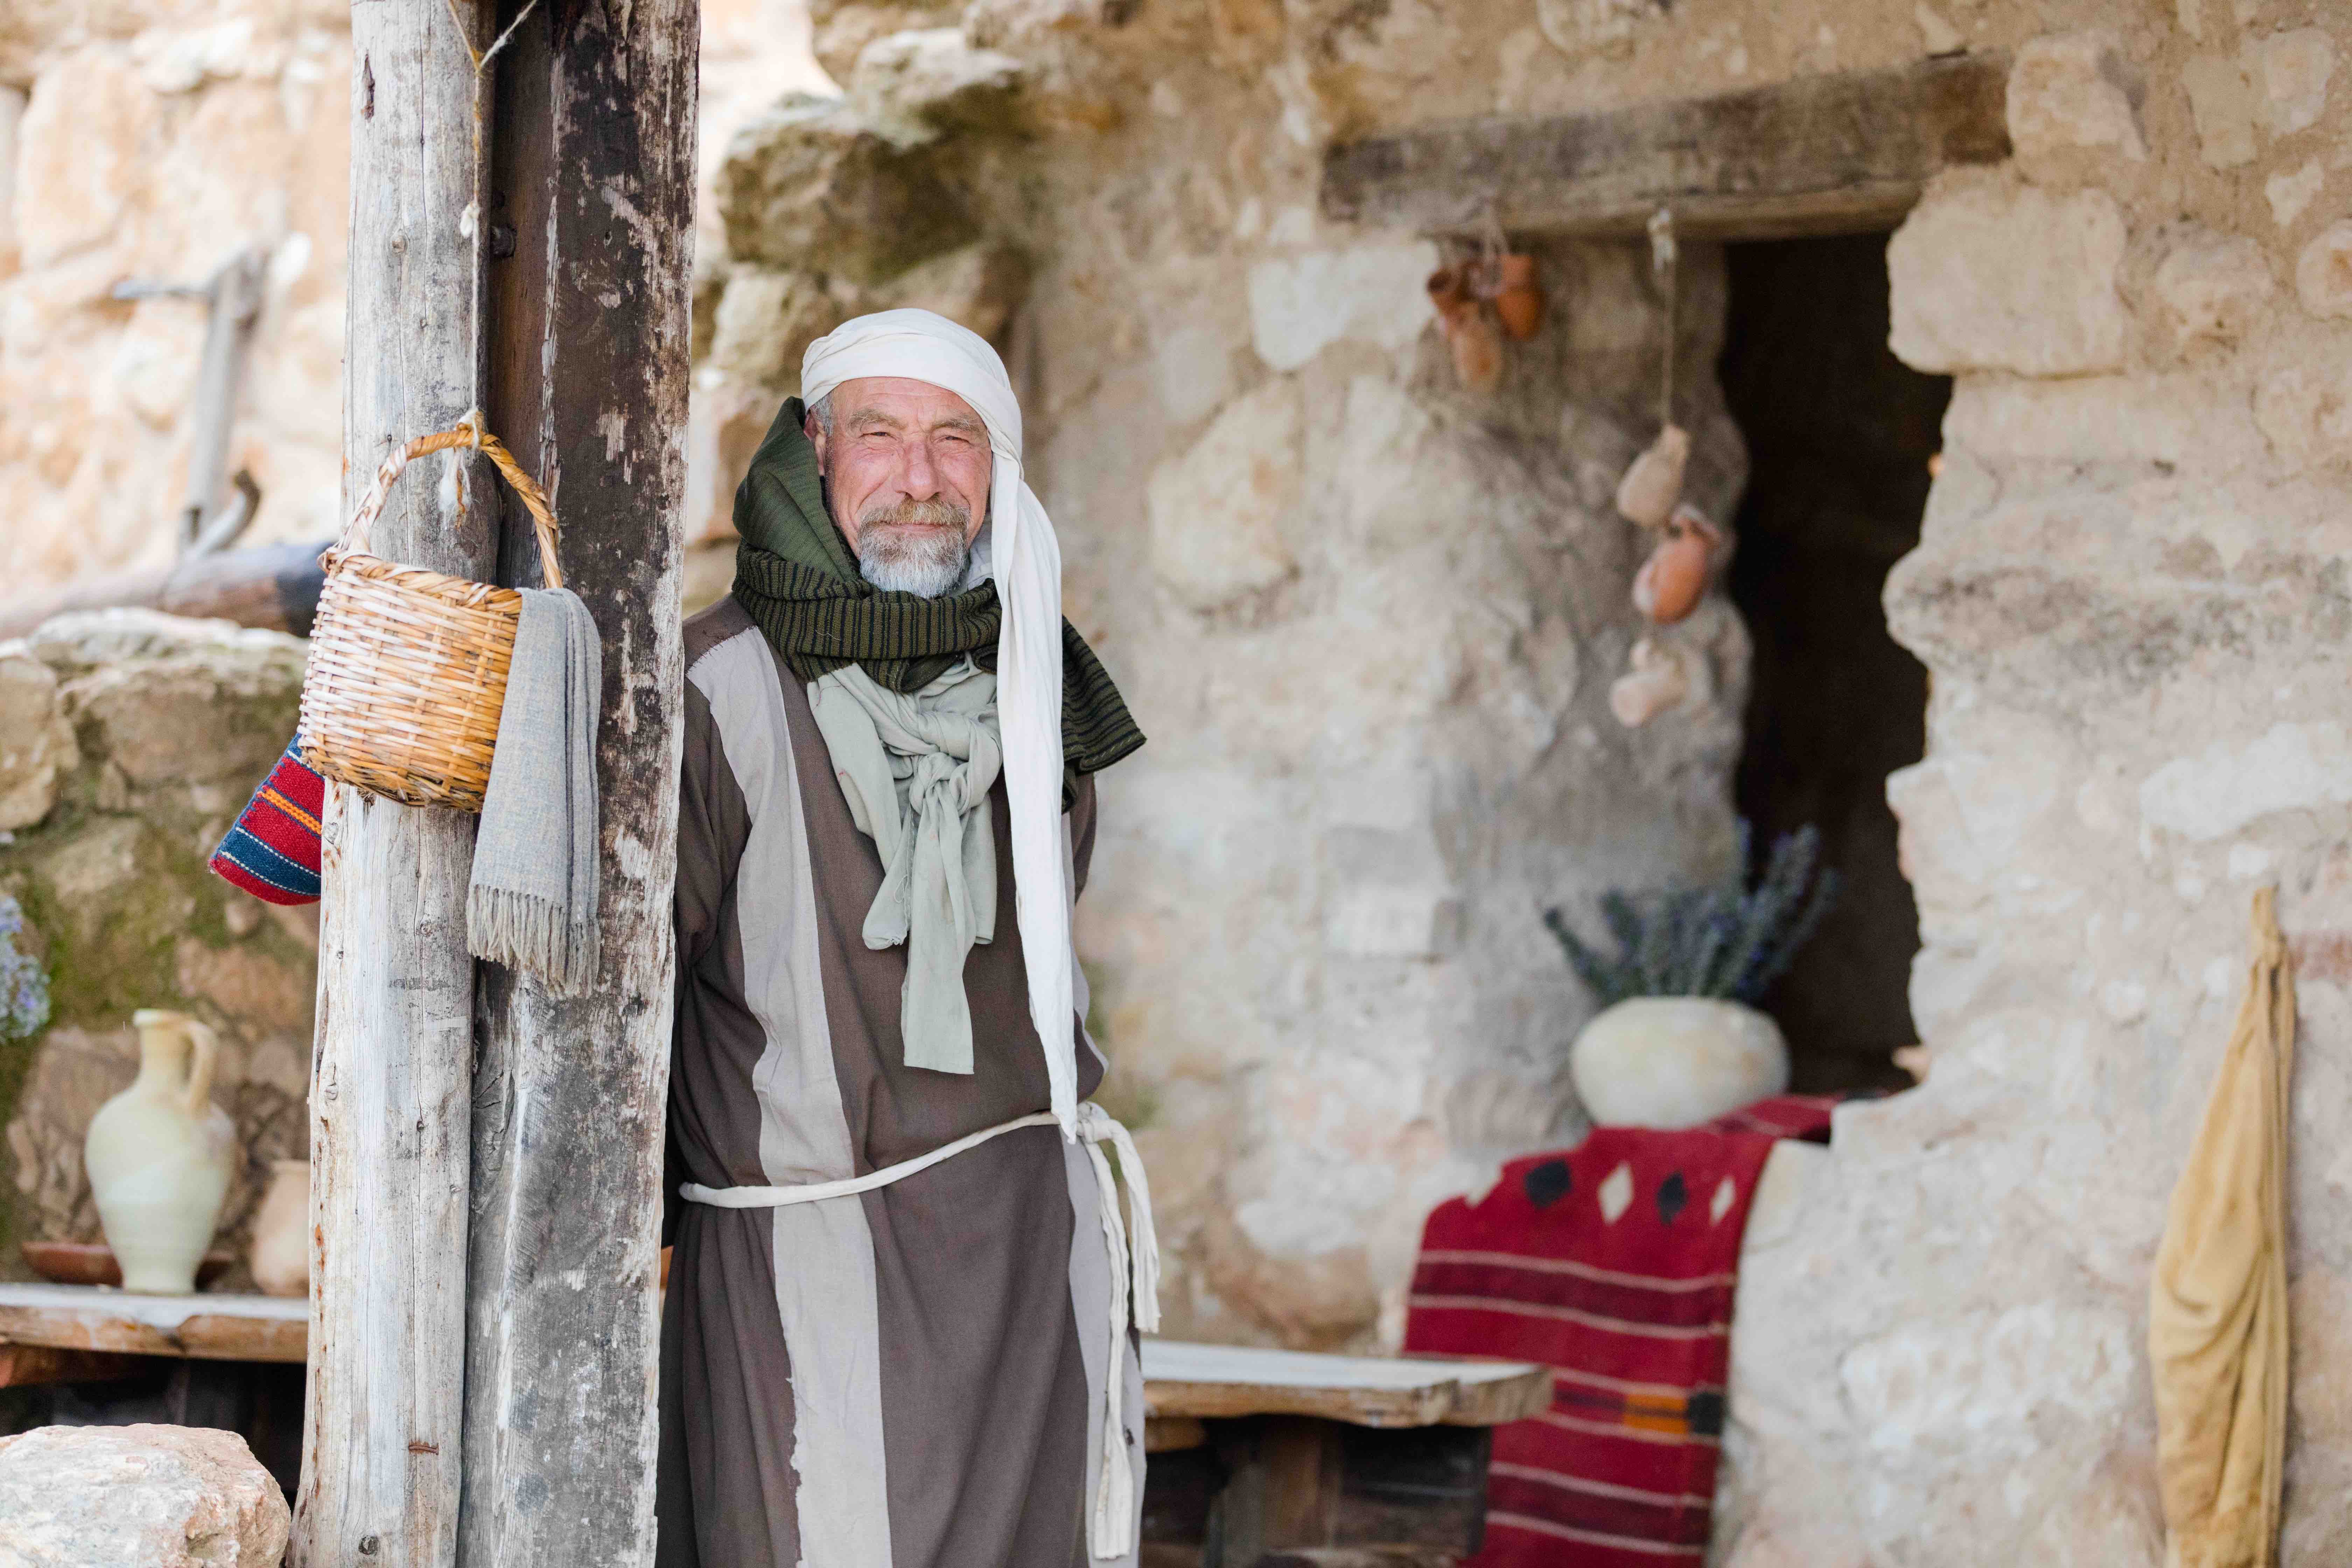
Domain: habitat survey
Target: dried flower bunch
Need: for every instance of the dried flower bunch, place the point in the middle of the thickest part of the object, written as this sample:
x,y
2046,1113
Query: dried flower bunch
x,y
24,984
1725,941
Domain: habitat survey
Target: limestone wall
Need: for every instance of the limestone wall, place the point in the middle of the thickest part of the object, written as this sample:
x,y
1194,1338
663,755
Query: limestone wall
x,y
2132,592
153,141
127,742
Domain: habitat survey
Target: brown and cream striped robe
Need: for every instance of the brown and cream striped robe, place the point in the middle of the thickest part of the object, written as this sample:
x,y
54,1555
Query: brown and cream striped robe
x,y
906,1378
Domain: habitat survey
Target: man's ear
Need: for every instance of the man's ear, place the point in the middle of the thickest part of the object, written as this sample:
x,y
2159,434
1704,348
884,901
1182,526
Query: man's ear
x,y
815,433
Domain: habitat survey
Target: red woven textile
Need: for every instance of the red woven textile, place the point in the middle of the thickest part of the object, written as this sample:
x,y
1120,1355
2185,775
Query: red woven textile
x,y
1612,1263
272,849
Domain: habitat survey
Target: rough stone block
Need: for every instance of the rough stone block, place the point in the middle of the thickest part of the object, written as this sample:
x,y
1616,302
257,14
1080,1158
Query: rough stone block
x,y
1395,922
2221,99
81,148
813,185
926,81
2073,90
138,1497
1989,273
2323,273
1217,512
1300,305
2211,285
2293,69
36,744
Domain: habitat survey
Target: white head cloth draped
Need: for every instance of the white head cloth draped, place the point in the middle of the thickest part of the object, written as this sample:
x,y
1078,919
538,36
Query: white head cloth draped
x,y
1025,560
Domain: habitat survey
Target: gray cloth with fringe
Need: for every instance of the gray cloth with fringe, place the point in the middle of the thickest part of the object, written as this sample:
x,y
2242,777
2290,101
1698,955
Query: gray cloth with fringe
x,y
533,903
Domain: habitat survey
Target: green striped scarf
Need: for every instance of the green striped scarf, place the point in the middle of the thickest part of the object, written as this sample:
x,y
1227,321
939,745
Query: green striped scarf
x,y
796,579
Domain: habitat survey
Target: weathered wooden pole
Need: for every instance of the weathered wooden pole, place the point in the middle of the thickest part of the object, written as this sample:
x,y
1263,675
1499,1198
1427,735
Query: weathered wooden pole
x,y
391,1066
593,163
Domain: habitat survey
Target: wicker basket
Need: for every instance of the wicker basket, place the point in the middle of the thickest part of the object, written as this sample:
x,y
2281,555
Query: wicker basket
x,y
408,667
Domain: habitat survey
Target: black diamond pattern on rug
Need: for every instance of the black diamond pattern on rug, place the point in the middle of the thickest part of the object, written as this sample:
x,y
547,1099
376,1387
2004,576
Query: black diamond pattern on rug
x,y
1547,1183
1673,1196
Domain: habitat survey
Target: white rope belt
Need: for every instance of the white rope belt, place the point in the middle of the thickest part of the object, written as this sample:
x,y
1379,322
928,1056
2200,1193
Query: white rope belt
x,y
1110,1533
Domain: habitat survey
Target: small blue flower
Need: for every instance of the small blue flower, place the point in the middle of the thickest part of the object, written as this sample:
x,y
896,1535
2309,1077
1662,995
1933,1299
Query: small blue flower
x,y
24,985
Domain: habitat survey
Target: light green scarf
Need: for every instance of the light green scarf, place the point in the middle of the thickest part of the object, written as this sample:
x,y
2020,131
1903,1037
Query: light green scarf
x,y
916,768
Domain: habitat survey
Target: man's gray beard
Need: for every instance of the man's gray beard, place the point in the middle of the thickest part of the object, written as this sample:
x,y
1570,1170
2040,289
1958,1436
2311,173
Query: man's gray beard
x,y
926,562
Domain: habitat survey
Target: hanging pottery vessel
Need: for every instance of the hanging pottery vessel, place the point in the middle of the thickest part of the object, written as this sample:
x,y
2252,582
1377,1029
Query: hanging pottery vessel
x,y
1651,487
1470,333
159,1154
280,1254
1674,579
1656,682
1519,300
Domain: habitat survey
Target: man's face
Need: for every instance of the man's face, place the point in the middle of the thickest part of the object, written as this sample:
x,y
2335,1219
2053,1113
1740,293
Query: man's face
x,y
906,466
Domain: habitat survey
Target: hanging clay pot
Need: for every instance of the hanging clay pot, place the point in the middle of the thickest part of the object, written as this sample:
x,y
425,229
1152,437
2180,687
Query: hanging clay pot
x,y
159,1156
1651,487
1519,300
281,1254
1674,579
1470,333
1656,682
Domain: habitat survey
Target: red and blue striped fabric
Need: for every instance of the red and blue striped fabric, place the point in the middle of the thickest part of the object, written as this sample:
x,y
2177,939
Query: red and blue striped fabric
x,y
1613,1263
272,850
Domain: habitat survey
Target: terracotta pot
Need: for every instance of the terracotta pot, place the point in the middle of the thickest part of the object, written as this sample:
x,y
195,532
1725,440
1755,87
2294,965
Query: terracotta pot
x,y
1470,335
1478,348
1676,1061
1656,682
280,1256
1518,298
1651,487
159,1156
1674,579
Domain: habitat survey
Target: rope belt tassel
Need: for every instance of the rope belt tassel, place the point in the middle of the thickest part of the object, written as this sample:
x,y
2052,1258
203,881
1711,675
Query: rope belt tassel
x,y
1130,1240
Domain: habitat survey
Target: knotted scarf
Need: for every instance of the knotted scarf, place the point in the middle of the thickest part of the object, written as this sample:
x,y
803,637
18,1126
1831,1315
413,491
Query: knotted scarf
x,y
916,768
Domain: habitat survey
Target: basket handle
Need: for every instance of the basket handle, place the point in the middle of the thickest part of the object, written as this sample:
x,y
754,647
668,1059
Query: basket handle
x,y
467,432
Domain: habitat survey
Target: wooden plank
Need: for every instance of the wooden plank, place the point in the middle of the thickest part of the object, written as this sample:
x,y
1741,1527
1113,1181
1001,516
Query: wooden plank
x,y
1829,154
392,1069
594,161
28,1366
202,1327
1186,1379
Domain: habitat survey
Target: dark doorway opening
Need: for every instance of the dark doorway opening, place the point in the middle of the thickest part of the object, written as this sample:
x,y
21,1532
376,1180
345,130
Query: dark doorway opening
x,y
1839,437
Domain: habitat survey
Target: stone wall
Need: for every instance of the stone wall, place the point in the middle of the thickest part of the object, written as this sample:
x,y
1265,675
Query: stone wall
x,y
152,140
2132,592
147,734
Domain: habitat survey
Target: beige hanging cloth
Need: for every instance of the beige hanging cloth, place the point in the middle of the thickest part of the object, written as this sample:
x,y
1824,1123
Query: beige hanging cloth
x,y
2216,1336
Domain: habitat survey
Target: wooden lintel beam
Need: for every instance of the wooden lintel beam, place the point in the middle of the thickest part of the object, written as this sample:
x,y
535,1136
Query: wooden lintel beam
x,y
1828,154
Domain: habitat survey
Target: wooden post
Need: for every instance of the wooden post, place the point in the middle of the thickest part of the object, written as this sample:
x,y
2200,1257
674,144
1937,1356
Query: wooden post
x,y
593,222
392,1063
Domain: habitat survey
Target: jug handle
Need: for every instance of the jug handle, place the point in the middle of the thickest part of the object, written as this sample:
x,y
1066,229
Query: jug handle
x,y
201,1061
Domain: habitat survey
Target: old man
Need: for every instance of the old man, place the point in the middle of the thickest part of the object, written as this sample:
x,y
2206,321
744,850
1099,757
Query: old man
x,y
899,1328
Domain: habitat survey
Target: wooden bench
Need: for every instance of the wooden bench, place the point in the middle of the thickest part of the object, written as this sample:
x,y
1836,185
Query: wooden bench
x,y
1261,1458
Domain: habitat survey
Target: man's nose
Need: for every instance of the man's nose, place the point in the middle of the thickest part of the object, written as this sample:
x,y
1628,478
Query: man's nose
x,y
920,474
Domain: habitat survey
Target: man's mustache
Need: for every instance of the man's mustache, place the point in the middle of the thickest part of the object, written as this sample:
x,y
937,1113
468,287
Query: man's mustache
x,y
915,514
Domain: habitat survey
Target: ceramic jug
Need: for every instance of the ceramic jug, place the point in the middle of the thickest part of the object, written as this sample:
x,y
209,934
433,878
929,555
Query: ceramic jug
x,y
159,1155
280,1256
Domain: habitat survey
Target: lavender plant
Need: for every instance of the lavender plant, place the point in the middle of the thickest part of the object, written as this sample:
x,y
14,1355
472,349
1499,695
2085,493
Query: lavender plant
x,y
1725,941
24,984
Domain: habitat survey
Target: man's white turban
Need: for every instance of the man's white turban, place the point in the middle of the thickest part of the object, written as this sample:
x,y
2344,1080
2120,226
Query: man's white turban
x,y
1025,560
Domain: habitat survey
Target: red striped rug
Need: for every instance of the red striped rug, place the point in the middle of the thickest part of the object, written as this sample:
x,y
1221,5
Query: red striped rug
x,y
1613,1263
